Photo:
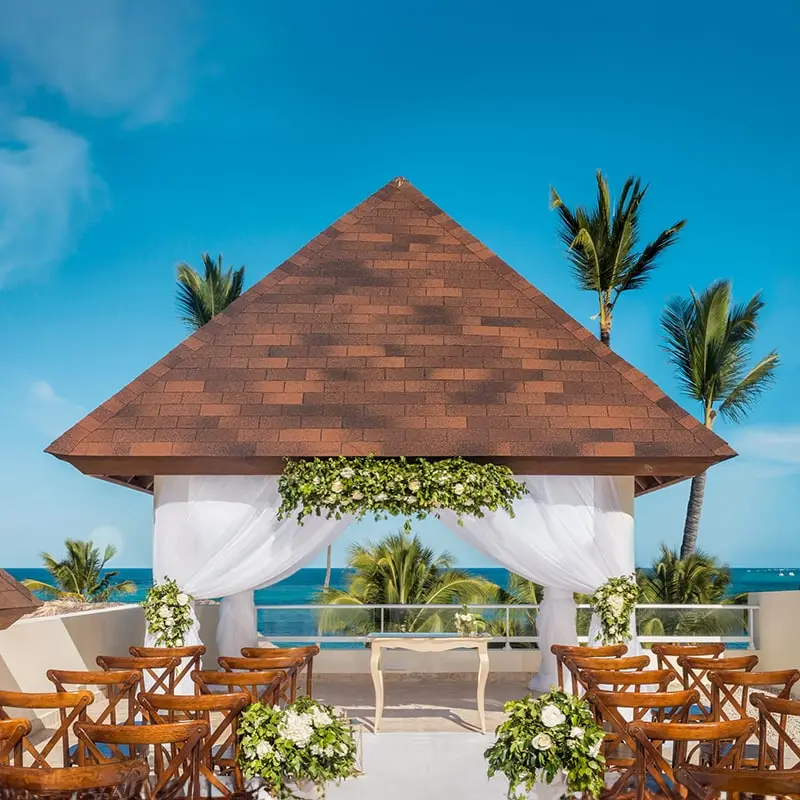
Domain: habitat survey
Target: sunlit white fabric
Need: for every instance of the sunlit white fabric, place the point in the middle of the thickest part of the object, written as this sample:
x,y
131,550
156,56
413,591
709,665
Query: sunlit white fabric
x,y
219,536
570,534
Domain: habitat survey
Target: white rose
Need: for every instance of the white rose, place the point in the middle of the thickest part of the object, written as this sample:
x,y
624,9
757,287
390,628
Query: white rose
x,y
552,716
380,496
356,496
329,750
164,612
576,733
183,599
337,487
315,481
458,488
542,742
594,750
413,486
263,749
411,499
347,472
616,603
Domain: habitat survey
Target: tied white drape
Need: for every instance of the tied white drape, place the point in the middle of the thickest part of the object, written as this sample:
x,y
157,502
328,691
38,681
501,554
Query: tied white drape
x,y
569,534
219,536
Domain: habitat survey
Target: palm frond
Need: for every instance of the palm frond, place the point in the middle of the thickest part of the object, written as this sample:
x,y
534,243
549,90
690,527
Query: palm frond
x,y
744,395
201,297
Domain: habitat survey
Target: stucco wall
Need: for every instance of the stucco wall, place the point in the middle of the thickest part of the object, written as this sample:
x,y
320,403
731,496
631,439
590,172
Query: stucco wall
x,y
777,632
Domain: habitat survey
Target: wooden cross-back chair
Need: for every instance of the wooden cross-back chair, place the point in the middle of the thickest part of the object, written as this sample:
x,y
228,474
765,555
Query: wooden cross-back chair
x,y
577,665
217,756
11,733
174,746
72,704
119,780
709,783
289,665
667,655
695,671
774,714
158,673
119,688
655,772
656,680
564,651
190,658
612,710
261,687
277,653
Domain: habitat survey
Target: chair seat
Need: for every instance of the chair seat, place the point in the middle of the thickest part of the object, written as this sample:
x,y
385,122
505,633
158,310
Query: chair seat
x,y
694,711
105,750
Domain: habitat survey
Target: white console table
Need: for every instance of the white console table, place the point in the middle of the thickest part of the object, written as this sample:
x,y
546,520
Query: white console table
x,y
430,643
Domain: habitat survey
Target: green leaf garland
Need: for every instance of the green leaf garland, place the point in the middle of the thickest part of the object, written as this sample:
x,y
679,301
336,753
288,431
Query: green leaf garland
x,y
384,487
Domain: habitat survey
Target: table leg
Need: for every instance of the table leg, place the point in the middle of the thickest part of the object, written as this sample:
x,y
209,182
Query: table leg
x,y
483,676
377,681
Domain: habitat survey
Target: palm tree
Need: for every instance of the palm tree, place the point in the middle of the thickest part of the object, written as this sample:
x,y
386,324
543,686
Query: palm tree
x,y
601,246
520,591
709,341
399,569
697,579
201,297
80,575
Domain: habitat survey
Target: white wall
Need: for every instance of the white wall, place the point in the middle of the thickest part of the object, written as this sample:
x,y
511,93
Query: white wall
x,y
777,636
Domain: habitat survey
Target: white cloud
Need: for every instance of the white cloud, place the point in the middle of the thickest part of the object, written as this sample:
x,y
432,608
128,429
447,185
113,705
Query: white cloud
x,y
105,57
48,411
47,191
773,444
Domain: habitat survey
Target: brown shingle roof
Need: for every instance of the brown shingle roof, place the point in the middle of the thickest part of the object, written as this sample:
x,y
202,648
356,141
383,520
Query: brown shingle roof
x,y
15,600
394,332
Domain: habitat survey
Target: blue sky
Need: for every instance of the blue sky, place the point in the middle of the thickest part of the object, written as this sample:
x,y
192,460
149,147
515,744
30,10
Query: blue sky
x,y
134,135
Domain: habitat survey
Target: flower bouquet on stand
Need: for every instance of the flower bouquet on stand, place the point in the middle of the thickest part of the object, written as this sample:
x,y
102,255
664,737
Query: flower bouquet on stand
x,y
168,612
295,751
550,743
614,602
469,624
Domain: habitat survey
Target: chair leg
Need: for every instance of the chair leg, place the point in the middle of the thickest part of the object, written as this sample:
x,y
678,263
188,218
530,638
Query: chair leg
x,y
309,677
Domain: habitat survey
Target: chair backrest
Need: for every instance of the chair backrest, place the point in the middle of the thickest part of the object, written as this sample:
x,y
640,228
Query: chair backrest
x,y
118,779
730,690
652,763
117,685
706,783
175,747
219,750
579,664
190,658
289,664
774,716
158,672
72,704
11,733
668,654
562,651
261,686
616,711
306,653
637,681
695,670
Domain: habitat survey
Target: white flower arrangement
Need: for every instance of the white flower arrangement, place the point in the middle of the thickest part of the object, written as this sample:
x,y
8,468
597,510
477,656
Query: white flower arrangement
x,y
545,738
306,742
383,487
469,624
168,612
614,603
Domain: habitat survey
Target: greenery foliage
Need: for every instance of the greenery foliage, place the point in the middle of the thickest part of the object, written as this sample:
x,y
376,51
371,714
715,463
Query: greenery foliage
x,y
400,569
201,297
81,575
468,623
168,612
614,602
306,742
543,737
602,245
387,487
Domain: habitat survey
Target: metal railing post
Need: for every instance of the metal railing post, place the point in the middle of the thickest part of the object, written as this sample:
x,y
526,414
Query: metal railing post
x,y
382,623
751,628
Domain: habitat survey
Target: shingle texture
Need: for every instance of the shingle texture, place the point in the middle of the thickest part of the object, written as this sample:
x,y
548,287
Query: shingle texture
x,y
393,332
15,600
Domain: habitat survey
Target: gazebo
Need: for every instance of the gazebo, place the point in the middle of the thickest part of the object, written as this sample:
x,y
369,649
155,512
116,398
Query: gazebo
x,y
394,332
15,600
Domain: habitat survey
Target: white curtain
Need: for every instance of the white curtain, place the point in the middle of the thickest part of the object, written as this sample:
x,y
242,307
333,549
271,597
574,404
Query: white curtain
x,y
219,536
570,534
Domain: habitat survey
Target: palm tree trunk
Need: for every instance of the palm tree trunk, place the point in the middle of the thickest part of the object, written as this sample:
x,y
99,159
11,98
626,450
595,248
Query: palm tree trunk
x,y
695,506
606,310
605,333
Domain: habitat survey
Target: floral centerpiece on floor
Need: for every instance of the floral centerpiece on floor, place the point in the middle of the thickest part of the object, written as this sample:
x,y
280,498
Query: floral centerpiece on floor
x,y
304,743
552,736
469,624
168,612
614,602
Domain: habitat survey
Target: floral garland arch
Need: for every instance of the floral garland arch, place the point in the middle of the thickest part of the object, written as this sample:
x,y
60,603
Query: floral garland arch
x,y
384,487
